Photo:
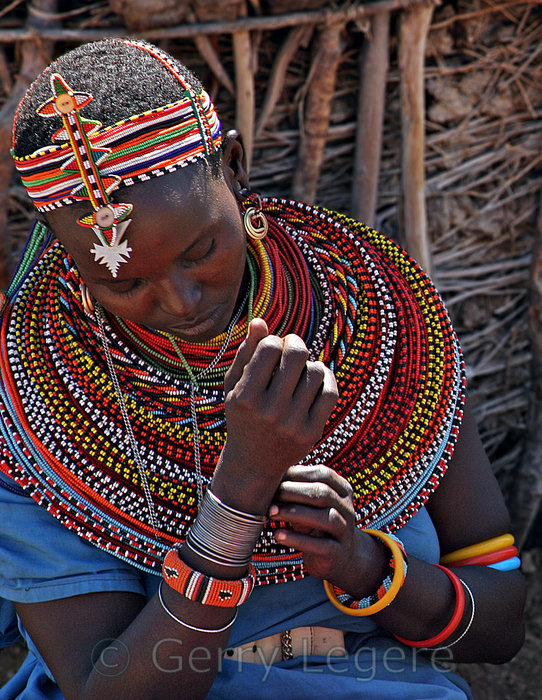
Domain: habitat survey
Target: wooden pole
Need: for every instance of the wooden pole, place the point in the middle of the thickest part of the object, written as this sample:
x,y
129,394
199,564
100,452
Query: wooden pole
x,y
413,28
35,57
315,122
245,99
371,102
244,90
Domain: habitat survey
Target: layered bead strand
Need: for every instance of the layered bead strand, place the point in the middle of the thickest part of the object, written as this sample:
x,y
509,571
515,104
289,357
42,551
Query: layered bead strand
x,y
361,305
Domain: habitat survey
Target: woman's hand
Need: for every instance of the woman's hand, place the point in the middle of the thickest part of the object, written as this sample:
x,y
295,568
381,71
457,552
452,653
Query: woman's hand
x,y
277,404
316,503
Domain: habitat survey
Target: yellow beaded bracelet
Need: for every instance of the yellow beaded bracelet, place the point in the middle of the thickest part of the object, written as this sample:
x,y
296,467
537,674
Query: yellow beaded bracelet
x,y
397,582
474,550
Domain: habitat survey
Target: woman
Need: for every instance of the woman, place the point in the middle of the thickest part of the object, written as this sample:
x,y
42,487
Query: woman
x,y
160,302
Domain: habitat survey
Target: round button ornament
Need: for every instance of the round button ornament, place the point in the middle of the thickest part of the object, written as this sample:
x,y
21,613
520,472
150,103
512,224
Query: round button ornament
x,y
65,103
105,217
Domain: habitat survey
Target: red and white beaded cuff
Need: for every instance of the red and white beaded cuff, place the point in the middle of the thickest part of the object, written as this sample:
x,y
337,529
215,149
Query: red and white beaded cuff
x,y
205,589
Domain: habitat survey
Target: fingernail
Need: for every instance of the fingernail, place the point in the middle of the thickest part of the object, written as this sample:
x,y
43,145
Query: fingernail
x,y
273,510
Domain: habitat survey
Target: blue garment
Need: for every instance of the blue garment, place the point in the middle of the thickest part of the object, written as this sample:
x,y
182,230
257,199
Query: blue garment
x,y
42,560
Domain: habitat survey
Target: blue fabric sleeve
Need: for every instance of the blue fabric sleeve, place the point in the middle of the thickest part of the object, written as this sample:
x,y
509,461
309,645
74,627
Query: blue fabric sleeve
x,y
41,560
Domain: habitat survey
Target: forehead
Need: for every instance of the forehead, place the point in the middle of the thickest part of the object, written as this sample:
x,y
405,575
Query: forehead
x,y
184,202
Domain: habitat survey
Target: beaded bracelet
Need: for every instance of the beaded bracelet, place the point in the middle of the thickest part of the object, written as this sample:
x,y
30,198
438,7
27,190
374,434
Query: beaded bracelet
x,y
455,620
474,550
388,589
204,589
371,600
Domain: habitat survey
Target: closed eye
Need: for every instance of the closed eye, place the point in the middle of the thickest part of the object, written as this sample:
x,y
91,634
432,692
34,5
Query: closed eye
x,y
134,286
194,256
126,288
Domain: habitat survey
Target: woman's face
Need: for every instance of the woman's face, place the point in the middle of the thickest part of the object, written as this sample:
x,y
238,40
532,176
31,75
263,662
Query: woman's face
x,y
186,267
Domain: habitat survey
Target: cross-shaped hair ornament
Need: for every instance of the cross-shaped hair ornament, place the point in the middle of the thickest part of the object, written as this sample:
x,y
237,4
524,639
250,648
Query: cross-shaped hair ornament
x,y
108,220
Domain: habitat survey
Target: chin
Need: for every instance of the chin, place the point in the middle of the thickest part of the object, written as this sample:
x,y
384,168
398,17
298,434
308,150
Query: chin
x,y
196,335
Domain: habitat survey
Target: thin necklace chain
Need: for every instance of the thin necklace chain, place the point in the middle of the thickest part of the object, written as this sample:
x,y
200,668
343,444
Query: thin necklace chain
x,y
126,418
193,415
194,385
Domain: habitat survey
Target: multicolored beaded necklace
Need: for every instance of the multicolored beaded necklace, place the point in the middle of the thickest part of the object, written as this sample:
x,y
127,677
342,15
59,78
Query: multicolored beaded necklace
x,y
195,379
360,303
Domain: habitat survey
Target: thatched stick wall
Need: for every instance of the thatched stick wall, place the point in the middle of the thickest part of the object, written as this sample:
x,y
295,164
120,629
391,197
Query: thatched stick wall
x,y
34,58
476,163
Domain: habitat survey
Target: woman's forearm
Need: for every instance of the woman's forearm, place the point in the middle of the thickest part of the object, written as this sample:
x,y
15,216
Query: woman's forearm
x,y
426,602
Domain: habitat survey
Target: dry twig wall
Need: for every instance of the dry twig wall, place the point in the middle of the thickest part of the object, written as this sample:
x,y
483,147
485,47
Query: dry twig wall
x,y
423,119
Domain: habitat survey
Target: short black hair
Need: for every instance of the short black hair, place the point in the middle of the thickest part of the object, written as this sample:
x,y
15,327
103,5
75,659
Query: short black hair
x,y
123,80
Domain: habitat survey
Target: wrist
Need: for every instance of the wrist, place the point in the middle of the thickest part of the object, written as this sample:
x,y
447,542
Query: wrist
x,y
202,564
204,588
222,534
367,568
386,592
222,538
243,483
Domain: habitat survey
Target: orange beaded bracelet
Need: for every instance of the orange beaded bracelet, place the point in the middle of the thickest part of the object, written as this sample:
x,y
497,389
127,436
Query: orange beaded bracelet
x,y
399,573
205,589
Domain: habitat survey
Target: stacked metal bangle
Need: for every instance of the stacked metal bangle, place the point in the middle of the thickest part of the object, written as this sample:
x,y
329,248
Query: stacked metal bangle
x,y
223,535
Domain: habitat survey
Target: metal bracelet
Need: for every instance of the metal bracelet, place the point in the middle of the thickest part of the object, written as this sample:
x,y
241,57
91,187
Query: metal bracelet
x,y
469,624
185,624
222,534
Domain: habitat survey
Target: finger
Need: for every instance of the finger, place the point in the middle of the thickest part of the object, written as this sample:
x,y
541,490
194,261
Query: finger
x,y
316,494
257,330
325,401
290,371
317,506
317,546
310,386
322,555
317,473
263,364
328,522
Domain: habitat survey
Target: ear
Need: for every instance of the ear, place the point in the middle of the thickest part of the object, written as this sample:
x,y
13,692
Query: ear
x,y
234,164
40,216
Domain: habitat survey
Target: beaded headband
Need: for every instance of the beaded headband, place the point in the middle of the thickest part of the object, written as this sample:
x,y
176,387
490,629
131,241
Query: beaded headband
x,y
93,161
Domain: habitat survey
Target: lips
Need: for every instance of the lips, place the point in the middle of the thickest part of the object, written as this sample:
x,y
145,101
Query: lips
x,y
197,326
193,323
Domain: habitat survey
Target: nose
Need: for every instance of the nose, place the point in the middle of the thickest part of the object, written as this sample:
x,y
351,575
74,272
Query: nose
x,y
179,295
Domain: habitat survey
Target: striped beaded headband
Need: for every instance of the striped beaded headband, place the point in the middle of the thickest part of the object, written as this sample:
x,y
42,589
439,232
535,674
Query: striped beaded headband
x,y
93,161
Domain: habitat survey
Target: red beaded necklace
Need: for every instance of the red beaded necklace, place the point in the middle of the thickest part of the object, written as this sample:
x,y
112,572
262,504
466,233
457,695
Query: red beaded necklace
x,y
359,302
